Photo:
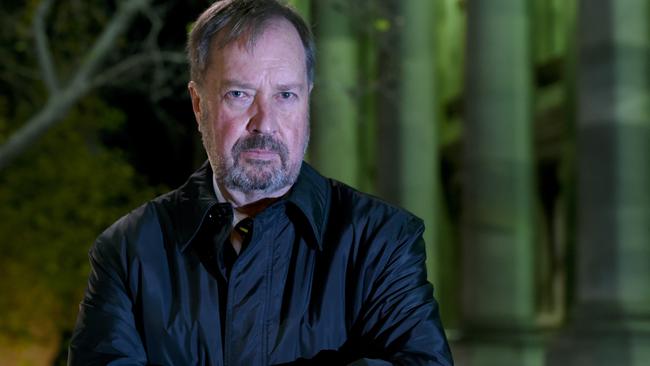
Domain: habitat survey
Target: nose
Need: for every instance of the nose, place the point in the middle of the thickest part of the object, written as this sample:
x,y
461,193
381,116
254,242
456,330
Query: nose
x,y
262,119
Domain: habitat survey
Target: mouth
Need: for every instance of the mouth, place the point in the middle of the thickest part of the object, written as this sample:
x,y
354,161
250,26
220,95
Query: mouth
x,y
259,154
260,150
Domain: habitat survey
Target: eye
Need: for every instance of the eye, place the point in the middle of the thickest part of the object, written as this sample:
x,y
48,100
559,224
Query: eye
x,y
235,94
238,98
287,95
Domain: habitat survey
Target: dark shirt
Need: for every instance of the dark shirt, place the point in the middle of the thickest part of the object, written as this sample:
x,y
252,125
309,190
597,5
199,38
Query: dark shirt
x,y
330,276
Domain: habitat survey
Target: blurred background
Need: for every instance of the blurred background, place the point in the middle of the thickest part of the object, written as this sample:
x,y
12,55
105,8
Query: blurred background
x,y
517,129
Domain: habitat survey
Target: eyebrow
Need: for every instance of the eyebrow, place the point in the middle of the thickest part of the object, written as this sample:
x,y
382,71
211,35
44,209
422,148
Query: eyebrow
x,y
244,85
299,86
237,83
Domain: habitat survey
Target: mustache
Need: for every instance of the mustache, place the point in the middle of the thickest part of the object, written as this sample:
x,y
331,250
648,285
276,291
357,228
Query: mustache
x,y
261,142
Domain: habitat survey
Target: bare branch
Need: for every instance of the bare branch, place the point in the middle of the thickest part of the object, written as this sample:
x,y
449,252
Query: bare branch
x,y
107,40
133,62
54,110
60,103
158,86
43,53
156,25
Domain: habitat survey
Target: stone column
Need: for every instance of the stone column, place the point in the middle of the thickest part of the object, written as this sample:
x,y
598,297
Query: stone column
x,y
498,293
610,322
335,143
417,167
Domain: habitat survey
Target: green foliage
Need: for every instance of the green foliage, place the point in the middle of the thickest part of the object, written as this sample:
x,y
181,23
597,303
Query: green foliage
x,y
382,24
53,202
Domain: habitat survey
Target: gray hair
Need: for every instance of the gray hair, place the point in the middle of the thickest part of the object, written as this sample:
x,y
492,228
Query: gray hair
x,y
232,19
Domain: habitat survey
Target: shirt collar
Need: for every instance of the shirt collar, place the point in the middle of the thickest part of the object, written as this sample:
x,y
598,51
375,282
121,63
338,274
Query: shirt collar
x,y
197,198
236,215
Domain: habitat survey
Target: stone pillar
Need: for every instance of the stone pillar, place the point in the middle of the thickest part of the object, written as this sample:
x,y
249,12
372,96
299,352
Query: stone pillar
x,y
610,322
417,167
498,275
335,144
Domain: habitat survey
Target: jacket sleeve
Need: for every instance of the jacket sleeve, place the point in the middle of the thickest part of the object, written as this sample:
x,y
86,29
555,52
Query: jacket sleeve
x,y
400,322
105,332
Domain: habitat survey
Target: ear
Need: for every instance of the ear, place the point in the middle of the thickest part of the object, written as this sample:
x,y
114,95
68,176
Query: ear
x,y
195,94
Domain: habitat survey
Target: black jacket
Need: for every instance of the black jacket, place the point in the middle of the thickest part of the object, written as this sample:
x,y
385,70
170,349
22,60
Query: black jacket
x,y
330,276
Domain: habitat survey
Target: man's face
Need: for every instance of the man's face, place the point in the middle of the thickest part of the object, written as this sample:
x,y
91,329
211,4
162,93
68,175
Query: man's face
x,y
253,110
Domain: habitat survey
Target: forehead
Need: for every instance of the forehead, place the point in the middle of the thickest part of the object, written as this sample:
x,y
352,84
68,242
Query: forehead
x,y
277,46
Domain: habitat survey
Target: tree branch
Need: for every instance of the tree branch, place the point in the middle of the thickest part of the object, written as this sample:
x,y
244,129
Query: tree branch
x,y
156,25
59,103
159,84
43,53
135,61
54,110
107,40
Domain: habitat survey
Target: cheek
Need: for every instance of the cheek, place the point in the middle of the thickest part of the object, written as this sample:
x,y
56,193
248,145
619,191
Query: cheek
x,y
227,130
299,135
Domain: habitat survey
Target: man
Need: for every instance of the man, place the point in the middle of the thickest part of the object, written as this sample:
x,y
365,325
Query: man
x,y
258,259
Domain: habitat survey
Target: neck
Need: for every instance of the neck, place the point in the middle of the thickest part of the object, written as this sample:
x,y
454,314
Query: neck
x,y
250,204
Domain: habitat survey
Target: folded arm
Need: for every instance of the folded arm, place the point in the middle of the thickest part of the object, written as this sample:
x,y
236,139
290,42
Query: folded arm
x,y
105,333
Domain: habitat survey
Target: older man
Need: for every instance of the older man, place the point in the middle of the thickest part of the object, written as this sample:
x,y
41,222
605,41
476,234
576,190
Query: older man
x,y
258,259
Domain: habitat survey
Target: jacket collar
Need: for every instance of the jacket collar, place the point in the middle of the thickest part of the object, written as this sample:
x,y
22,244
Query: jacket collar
x,y
196,199
311,195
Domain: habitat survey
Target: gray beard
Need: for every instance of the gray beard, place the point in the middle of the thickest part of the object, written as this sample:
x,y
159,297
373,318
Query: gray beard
x,y
255,175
